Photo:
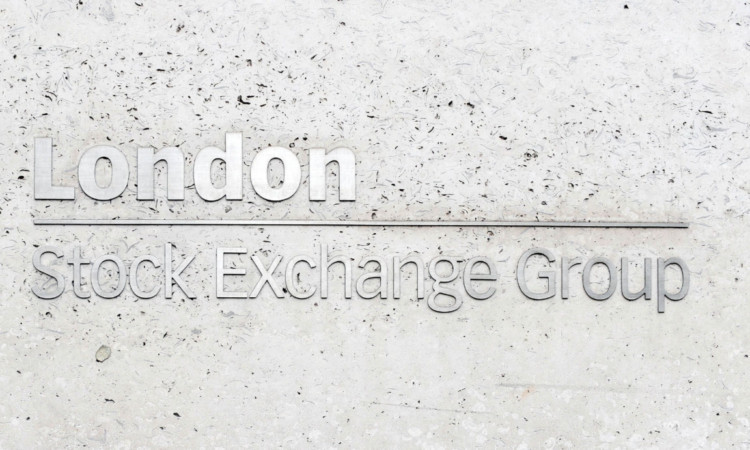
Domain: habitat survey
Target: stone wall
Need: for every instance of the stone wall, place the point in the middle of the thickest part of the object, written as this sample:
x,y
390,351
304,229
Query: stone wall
x,y
462,111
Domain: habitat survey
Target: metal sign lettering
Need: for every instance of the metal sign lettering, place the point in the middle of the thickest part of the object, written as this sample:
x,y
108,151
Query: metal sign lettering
x,y
373,276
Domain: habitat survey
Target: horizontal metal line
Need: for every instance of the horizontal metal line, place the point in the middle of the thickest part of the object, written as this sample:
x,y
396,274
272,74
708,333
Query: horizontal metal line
x,y
358,223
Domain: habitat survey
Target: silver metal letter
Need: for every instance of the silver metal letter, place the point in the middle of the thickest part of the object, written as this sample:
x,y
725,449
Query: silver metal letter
x,y
175,172
43,188
438,289
221,271
41,292
567,264
470,276
646,291
121,276
174,276
266,276
325,265
319,160
135,285
587,279
549,275
661,290
398,265
77,261
291,285
381,275
259,174
232,158
87,172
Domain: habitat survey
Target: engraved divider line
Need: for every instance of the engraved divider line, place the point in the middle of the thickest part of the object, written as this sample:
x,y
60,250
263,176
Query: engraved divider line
x,y
357,223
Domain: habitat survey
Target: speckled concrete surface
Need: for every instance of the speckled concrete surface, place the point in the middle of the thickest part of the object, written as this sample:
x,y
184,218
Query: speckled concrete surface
x,y
487,110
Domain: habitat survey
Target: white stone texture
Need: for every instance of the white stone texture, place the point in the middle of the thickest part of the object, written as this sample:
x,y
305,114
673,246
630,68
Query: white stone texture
x,y
496,110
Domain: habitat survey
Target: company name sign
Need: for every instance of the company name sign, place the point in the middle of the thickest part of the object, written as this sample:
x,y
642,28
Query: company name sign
x,y
445,281
232,157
